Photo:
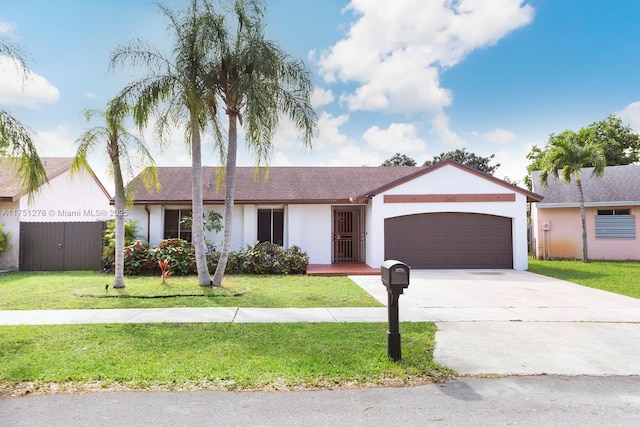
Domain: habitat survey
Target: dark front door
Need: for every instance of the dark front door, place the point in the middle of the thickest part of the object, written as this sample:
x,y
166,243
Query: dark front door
x,y
348,234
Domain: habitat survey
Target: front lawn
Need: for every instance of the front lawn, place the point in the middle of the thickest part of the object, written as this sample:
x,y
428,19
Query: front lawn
x,y
613,276
85,290
212,356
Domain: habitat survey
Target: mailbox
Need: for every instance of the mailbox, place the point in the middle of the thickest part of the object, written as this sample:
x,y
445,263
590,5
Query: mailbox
x,y
395,275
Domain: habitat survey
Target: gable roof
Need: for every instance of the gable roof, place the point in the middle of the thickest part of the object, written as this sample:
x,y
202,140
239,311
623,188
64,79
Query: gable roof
x,y
620,186
10,188
290,184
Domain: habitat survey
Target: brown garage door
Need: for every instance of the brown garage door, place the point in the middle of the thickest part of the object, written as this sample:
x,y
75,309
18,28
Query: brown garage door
x,y
57,246
449,240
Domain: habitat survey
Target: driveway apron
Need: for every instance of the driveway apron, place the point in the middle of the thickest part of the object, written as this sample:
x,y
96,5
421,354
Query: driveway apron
x,y
508,322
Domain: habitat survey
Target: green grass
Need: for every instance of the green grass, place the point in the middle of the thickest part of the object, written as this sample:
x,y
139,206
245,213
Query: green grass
x,y
619,277
212,356
84,290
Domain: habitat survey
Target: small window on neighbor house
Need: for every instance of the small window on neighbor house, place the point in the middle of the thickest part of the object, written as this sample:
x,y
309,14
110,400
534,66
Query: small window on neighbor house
x,y
615,224
271,226
614,211
173,227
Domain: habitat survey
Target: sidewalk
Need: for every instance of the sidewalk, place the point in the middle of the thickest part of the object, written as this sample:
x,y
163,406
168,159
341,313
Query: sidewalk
x,y
193,315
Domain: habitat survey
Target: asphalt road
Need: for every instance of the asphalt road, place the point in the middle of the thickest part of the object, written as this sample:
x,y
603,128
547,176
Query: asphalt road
x,y
514,401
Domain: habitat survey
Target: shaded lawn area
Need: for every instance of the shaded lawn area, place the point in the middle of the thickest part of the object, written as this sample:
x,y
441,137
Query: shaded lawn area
x,y
621,277
212,356
86,290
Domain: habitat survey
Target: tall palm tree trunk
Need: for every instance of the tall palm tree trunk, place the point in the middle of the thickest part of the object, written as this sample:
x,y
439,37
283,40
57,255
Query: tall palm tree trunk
x,y
229,194
118,281
204,279
583,217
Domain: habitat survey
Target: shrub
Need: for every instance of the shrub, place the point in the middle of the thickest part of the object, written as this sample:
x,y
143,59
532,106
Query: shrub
x,y
260,258
181,256
4,240
267,258
139,259
109,241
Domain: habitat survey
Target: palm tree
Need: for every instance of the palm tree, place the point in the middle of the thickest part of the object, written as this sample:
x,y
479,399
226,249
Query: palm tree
x,y
119,145
565,157
174,89
15,138
257,83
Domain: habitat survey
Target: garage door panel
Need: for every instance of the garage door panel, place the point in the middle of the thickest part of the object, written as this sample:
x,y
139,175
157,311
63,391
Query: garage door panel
x,y
450,240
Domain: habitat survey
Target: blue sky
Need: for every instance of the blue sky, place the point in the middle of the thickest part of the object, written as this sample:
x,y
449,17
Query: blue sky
x,y
411,76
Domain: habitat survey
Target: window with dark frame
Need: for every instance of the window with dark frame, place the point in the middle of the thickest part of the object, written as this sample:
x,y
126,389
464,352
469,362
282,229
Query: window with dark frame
x,y
271,226
173,227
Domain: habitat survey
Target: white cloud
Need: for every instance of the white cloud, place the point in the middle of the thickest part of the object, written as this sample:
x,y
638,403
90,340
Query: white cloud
x,y
55,142
280,159
91,95
7,28
352,155
631,115
321,97
440,127
399,137
329,134
512,165
23,87
498,135
395,51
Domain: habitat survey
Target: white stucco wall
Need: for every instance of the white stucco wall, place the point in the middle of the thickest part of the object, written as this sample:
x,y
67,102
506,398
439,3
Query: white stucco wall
x,y
448,180
9,216
67,198
309,227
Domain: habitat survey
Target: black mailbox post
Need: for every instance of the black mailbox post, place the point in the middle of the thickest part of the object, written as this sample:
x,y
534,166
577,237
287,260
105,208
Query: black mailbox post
x,y
395,276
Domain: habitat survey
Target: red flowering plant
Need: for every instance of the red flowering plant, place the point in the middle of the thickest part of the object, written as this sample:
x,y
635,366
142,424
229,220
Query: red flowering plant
x,y
164,268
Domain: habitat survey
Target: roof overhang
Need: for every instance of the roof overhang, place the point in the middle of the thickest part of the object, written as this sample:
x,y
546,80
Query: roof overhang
x,y
587,205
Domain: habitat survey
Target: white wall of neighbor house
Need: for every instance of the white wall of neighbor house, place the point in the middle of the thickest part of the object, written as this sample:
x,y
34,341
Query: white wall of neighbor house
x,y
67,198
10,217
448,180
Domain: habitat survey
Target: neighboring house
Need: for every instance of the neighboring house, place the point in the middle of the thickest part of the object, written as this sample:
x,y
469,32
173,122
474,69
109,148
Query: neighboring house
x,y
445,216
612,203
64,199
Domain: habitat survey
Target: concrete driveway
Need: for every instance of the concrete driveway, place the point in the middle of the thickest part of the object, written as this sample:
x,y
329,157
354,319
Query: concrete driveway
x,y
518,323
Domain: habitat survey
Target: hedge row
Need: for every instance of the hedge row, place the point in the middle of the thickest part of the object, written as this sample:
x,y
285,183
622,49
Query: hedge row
x,y
261,258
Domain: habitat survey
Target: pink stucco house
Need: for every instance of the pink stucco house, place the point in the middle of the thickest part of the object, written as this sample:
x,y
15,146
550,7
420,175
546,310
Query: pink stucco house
x,y
612,203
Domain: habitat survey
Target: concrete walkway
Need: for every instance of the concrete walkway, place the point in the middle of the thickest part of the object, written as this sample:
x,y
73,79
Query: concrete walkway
x,y
489,322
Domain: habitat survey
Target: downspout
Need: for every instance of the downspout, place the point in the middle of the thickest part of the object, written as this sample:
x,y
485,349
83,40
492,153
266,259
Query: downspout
x,y
146,209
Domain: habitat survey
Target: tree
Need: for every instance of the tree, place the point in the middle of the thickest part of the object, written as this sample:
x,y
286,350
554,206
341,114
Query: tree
x,y
470,159
119,145
620,144
256,83
399,160
15,138
565,156
175,89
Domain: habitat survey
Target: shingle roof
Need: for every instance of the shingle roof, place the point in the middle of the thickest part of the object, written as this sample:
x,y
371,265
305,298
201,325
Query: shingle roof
x,y
620,185
10,188
283,184
289,184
